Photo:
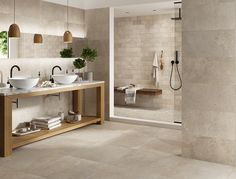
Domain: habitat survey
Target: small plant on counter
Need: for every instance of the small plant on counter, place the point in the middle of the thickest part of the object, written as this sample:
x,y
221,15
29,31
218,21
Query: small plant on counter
x,y
67,53
89,54
79,63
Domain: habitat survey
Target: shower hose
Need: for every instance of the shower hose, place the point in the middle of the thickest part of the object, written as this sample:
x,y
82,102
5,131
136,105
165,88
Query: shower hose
x,y
177,69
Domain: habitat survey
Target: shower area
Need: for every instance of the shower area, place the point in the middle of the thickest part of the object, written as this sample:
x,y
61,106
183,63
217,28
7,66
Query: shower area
x,y
148,62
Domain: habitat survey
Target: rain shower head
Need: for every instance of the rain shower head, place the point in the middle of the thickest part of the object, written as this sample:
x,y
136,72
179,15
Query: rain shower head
x,y
180,13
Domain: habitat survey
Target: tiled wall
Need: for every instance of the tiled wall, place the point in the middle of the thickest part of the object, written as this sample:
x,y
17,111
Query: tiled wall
x,y
97,26
50,48
209,96
37,16
136,40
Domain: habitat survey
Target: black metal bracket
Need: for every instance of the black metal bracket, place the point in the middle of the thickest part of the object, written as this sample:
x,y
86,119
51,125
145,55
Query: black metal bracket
x,y
16,102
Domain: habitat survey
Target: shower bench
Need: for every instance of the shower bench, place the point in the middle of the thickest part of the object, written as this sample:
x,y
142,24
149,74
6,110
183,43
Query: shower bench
x,y
144,91
8,96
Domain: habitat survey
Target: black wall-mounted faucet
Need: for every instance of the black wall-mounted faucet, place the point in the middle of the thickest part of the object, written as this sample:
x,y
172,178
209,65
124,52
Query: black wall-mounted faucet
x,y
11,72
51,79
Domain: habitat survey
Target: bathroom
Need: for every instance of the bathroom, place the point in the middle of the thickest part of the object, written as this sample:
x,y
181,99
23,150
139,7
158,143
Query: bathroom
x,y
143,32
166,127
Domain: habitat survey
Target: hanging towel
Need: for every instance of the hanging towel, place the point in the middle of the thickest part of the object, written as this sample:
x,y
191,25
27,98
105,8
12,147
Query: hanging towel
x,y
155,70
130,95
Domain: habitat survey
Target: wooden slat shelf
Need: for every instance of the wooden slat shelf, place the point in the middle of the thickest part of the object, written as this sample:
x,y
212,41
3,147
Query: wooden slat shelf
x,y
24,140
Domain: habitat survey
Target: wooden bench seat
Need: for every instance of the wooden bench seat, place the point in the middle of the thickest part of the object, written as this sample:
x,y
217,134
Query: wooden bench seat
x,y
144,91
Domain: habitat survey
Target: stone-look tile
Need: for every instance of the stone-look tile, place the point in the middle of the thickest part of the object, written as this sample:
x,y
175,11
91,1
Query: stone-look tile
x,y
209,80
97,33
209,149
110,172
136,40
51,47
208,15
220,44
219,125
53,12
214,97
22,8
212,69
68,156
200,170
6,21
76,16
6,7
232,175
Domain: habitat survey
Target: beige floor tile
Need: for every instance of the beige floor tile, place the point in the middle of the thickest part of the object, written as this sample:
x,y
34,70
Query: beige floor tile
x,y
110,151
202,170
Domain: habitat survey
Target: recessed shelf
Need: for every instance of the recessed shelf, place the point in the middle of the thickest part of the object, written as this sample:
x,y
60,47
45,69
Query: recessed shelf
x,y
66,127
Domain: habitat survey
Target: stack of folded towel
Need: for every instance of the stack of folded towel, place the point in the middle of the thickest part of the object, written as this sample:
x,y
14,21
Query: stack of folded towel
x,y
47,123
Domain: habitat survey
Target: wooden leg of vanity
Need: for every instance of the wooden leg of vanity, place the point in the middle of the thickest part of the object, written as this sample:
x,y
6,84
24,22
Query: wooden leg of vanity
x,y
78,101
5,126
101,103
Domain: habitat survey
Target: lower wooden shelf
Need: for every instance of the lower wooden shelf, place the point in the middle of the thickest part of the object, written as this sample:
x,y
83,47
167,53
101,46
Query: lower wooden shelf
x,y
24,140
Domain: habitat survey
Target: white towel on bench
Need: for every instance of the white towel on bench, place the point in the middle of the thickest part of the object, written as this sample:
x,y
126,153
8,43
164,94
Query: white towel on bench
x,y
130,95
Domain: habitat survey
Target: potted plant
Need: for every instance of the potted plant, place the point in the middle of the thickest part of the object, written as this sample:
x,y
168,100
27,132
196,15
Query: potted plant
x,y
89,55
79,64
66,53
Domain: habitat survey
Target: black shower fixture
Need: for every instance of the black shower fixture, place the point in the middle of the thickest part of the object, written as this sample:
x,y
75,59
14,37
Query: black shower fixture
x,y
180,12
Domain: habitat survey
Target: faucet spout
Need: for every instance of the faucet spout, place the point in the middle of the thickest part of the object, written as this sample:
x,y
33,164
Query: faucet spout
x,y
51,79
11,72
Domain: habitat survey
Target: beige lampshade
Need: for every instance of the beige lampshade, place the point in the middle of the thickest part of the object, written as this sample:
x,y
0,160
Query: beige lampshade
x,y
14,31
68,37
38,38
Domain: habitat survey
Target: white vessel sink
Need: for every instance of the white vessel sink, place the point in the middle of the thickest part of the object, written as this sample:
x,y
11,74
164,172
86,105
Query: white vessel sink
x,y
65,79
24,83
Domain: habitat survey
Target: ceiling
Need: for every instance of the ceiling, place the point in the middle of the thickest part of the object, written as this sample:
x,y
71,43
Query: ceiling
x,y
92,4
145,9
124,8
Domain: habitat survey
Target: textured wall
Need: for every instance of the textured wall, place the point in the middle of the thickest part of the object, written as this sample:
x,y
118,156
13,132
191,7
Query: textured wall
x,y
42,17
209,105
97,26
136,40
50,48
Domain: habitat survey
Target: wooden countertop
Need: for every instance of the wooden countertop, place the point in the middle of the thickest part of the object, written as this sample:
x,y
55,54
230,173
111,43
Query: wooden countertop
x,y
38,91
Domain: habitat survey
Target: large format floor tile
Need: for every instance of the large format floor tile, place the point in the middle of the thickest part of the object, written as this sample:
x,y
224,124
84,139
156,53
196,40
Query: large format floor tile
x,y
110,151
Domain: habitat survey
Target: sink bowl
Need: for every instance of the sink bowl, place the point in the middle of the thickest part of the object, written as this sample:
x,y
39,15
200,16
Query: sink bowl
x,y
24,83
65,79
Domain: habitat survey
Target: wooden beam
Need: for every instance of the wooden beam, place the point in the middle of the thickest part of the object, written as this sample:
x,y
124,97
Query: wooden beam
x,y
5,126
78,96
101,103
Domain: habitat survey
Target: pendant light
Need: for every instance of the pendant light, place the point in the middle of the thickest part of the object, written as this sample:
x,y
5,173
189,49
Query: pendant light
x,y
68,35
14,30
38,38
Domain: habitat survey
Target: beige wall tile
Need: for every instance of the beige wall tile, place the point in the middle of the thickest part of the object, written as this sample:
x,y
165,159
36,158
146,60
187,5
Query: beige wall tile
x,y
209,80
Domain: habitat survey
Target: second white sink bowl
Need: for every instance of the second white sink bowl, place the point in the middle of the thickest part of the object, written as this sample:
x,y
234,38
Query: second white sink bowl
x,y
24,83
65,79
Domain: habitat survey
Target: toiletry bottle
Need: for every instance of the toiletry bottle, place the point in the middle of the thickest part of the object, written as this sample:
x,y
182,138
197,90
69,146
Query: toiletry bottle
x,y
40,80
